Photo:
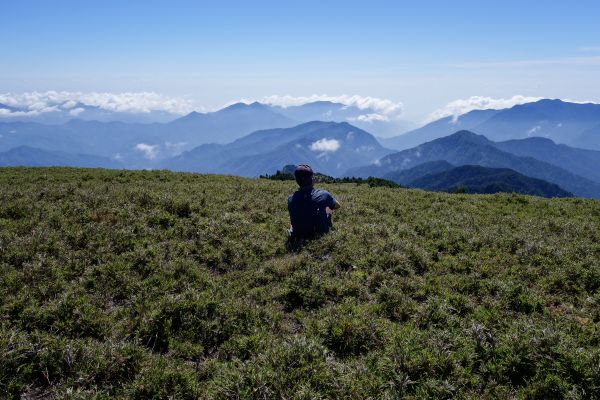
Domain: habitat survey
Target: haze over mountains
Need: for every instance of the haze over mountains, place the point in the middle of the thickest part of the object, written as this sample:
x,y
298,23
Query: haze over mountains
x,y
535,140
574,124
483,180
330,147
468,148
68,110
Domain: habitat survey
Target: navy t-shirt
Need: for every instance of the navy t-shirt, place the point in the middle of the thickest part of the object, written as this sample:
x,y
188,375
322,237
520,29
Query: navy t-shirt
x,y
307,211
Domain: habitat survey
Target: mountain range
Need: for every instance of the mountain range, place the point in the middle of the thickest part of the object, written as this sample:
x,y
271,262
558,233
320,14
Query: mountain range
x,y
32,157
123,140
468,148
256,139
330,147
574,124
139,145
442,176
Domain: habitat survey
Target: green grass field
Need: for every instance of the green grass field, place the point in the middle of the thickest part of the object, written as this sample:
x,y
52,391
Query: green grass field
x,y
151,284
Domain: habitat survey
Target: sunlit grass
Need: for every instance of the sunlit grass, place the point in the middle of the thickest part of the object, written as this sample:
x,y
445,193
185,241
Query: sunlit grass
x,y
153,284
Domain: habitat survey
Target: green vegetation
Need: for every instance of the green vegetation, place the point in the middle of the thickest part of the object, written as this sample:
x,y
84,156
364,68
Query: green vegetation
x,y
151,284
322,178
483,180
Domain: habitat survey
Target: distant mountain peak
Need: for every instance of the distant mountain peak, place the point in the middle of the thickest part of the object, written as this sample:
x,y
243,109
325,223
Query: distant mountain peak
x,y
243,106
465,135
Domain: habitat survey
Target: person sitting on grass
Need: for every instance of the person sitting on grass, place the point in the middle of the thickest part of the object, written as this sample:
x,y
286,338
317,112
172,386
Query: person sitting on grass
x,y
310,209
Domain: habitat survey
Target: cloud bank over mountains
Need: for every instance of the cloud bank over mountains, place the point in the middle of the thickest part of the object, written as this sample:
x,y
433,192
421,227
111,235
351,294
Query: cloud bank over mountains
x,y
378,112
459,107
37,103
383,106
376,109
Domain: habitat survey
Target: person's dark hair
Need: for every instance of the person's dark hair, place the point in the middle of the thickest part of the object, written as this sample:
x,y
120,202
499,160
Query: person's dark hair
x,y
303,174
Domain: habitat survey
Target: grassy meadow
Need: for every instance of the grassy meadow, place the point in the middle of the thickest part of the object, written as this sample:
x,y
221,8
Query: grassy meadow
x,y
152,284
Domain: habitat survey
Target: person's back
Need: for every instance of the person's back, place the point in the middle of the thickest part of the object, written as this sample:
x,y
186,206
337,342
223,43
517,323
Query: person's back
x,y
310,209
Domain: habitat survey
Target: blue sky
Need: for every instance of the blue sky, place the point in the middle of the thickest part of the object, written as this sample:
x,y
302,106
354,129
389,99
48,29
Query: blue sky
x,y
424,54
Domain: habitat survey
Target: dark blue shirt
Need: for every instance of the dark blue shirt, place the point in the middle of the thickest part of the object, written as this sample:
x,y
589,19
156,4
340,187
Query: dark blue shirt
x,y
307,211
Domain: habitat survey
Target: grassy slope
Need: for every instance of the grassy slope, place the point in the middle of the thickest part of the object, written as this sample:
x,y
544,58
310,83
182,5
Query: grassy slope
x,y
151,284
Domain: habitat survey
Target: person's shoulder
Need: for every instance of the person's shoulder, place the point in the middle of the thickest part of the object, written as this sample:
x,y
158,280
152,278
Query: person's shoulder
x,y
321,193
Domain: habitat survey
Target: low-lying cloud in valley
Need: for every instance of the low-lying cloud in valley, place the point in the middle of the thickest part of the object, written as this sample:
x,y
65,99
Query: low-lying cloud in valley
x,y
325,145
149,151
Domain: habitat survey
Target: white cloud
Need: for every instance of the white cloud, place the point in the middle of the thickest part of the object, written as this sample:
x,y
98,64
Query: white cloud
x,y
534,130
150,151
69,104
370,118
76,111
381,106
463,106
14,114
325,145
35,103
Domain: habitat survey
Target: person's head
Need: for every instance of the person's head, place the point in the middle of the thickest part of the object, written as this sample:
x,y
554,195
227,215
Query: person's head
x,y
304,175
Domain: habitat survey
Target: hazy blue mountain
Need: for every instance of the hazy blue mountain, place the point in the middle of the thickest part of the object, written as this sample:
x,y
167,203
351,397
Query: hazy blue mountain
x,y
467,148
144,145
437,129
406,176
330,147
590,138
478,179
581,162
338,112
573,124
227,124
29,156
105,139
321,111
84,112
223,125
560,121
141,145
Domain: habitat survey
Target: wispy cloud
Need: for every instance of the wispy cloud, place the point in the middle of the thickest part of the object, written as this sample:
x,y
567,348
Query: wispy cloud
x,y
462,106
370,118
36,103
592,60
175,148
534,130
